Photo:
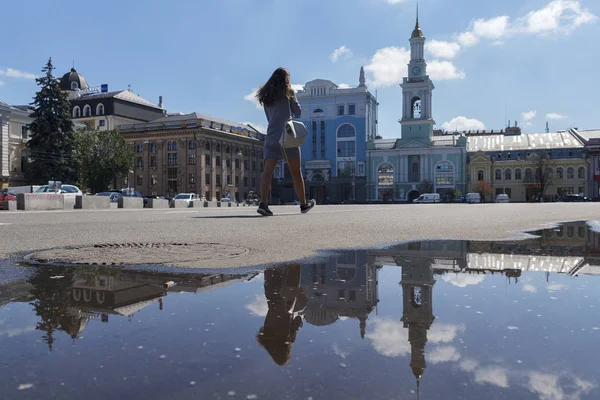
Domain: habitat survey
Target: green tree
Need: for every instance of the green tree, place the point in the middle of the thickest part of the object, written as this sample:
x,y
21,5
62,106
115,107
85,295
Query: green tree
x,y
52,137
425,186
101,156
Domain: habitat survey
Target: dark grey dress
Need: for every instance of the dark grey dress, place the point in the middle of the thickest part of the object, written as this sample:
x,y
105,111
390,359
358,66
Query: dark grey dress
x,y
277,115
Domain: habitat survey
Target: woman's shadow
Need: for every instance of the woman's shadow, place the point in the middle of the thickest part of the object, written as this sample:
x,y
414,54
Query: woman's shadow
x,y
285,299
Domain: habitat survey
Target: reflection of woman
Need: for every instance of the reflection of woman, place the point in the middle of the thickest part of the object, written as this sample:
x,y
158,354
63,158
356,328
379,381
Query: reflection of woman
x,y
285,300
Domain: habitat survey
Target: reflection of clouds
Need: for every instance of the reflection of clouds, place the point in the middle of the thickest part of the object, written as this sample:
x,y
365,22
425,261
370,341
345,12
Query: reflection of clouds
x,y
259,306
441,354
338,351
556,286
389,338
17,331
464,280
444,333
493,375
529,288
468,365
547,386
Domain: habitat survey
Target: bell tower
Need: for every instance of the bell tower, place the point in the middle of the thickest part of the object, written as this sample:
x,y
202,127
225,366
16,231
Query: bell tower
x,y
417,311
417,122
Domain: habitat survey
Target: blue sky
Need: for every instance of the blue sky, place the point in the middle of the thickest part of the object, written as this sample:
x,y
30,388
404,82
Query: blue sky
x,y
531,60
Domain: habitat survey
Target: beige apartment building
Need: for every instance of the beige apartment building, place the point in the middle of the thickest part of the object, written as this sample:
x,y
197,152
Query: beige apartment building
x,y
14,134
193,153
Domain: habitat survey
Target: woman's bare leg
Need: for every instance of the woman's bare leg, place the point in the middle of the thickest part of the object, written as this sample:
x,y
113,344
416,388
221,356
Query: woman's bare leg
x,y
296,172
265,180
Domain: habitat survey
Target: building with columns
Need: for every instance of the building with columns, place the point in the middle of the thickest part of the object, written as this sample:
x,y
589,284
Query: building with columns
x,y
340,120
591,140
194,153
14,134
400,169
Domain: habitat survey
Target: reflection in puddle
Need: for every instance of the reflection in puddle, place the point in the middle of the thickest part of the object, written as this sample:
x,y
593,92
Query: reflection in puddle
x,y
458,319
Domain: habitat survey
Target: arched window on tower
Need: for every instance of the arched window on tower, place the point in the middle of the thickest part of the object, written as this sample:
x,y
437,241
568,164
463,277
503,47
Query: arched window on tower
x,y
416,108
74,85
100,109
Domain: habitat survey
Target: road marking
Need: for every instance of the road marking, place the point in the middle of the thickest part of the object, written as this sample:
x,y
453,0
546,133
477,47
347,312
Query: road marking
x,y
5,223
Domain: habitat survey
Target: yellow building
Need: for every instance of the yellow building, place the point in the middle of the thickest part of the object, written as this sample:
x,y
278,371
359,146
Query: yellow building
x,y
525,166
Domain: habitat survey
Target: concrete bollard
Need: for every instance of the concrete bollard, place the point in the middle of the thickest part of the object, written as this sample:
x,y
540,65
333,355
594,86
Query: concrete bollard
x,y
228,204
9,205
69,202
205,203
218,204
178,204
92,202
131,202
40,201
158,203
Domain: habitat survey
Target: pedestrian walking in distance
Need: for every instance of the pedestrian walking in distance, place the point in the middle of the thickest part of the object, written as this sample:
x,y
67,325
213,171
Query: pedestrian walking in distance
x,y
279,101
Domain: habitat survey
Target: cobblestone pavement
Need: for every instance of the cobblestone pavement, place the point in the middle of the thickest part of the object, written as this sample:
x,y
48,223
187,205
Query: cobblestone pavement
x,y
239,237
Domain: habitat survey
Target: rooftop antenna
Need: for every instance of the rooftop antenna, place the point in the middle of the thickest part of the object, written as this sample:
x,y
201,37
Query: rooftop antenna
x,y
547,127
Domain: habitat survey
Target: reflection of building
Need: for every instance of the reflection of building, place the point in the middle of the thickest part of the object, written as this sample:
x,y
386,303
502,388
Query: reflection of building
x,y
13,138
343,287
340,120
397,168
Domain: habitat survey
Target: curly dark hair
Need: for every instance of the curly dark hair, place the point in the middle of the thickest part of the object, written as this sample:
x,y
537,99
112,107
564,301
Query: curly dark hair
x,y
278,84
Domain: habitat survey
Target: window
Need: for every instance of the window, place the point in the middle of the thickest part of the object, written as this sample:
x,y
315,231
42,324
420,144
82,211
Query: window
x,y
207,179
218,148
518,174
229,179
317,110
340,110
361,169
246,165
507,174
346,148
192,159
314,140
385,175
218,180
218,161
139,148
498,175
171,173
559,173
74,85
192,178
153,180
351,109
207,159
445,166
237,163
323,140
192,144
253,165
570,173
101,122
172,159
139,162
140,180
153,161
416,108
227,149
76,111
581,173
87,111
100,109
24,132
237,180
581,190
346,131
528,174
153,148
245,181
228,163
253,182
480,175
207,146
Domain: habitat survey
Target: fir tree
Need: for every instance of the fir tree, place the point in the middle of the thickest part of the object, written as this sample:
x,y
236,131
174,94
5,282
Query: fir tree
x,y
52,139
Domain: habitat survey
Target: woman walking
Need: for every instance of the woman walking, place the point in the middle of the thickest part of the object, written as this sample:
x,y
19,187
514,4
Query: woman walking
x,y
279,101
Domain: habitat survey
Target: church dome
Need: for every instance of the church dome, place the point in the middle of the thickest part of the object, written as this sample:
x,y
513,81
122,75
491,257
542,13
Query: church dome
x,y
73,80
417,32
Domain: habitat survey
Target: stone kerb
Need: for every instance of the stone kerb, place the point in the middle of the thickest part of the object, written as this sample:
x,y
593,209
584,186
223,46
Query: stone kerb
x,y
92,202
131,202
40,201
179,204
158,203
9,205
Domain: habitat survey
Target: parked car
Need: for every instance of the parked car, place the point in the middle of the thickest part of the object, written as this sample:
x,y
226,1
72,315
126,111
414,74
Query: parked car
x,y
576,198
67,190
428,198
114,196
6,196
189,198
502,198
473,198
128,192
226,200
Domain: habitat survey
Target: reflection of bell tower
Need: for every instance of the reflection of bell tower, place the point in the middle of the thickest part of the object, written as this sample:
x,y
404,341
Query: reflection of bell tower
x,y
417,311
417,122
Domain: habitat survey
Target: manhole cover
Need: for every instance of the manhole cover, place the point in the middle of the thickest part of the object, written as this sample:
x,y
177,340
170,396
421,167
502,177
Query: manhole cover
x,y
137,253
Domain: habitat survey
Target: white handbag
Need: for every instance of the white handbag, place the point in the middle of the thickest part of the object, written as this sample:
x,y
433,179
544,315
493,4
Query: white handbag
x,y
295,132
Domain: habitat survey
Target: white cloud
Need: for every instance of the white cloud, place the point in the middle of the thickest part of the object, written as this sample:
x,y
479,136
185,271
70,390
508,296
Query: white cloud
x,y
17,331
493,28
342,51
556,116
557,16
527,124
1,83
395,1
468,365
389,338
463,124
259,306
297,87
468,39
444,70
344,86
493,375
555,287
15,73
529,115
498,43
441,49
441,354
259,127
444,333
388,66
529,288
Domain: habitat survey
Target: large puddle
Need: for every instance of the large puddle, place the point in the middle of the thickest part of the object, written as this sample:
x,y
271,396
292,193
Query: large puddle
x,y
428,320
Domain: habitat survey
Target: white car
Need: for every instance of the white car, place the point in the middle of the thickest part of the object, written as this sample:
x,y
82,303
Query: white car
x,y
67,190
502,198
189,198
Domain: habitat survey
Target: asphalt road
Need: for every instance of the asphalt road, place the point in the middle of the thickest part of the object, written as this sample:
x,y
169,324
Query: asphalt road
x,y
289,235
